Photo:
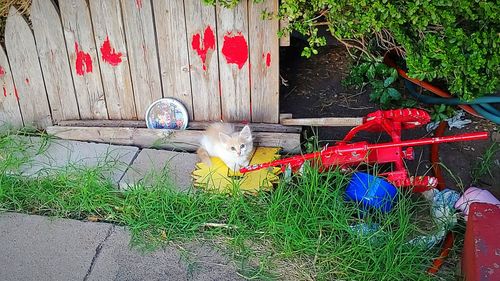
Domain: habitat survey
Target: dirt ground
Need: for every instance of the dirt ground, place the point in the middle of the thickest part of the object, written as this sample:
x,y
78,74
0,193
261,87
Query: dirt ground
x,y
314,89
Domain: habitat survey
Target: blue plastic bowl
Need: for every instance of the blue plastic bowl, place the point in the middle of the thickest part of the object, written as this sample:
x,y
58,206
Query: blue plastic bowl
x,y
371,192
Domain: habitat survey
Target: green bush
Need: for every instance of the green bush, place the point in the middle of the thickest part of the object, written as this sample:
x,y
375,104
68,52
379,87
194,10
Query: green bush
x,y
455,41
452,40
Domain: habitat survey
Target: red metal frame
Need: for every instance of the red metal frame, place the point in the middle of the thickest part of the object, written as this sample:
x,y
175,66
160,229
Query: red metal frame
x,y
345,154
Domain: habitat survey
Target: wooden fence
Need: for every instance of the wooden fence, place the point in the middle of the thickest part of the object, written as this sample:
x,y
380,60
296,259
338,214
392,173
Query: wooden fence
x,y
110,59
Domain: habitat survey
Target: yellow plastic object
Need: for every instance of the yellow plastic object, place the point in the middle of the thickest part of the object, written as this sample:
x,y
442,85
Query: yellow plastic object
x,y
219,178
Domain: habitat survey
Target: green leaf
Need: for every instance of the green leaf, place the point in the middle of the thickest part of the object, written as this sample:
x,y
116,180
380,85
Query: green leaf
x,y
384,98
388,81
377,85
393,93
363,68
371,72
394,73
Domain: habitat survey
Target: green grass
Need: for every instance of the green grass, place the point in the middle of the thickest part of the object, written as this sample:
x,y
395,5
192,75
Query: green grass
x,y
301,230
483,167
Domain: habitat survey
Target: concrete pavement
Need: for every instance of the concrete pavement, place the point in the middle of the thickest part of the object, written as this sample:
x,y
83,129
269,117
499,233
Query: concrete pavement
x,y
41,248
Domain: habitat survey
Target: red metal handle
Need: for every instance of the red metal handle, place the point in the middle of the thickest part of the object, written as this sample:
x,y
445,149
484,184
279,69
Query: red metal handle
x,y
455,138
298,160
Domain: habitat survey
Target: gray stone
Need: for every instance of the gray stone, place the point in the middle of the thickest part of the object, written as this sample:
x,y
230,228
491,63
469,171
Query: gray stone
x,y
58,154
151,163
38,248
495,136
117,261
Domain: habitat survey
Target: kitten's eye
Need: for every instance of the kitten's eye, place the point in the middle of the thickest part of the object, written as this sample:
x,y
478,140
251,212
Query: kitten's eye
x,y
242,146
232,148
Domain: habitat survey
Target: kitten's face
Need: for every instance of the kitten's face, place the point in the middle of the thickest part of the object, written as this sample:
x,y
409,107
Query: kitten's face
x,y
238,144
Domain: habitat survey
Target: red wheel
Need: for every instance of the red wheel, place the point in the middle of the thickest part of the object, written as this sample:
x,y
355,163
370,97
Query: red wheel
x,y
408,117
391,121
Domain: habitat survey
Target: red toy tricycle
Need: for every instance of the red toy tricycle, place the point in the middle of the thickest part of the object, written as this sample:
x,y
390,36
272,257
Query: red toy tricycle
x,y
346,154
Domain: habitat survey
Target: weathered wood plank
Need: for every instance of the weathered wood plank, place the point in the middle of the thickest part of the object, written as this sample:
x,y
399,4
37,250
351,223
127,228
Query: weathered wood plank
x,y
10,113
142,53
83,59
28,80
186,140
285,39
264,55
256,127
54,61
173,51
326,122
193,125
103,123
232,36
110,39
204,60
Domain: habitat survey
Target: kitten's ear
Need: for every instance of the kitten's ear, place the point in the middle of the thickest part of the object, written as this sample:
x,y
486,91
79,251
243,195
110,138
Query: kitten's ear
x,y
224,138
246,133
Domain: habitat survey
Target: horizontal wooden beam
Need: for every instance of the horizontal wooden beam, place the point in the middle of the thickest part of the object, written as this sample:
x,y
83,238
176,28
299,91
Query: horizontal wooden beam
x,y
103,123
193,125
181,140
327,122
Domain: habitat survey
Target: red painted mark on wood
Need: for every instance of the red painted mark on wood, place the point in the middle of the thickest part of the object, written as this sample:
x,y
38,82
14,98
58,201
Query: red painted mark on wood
x,y
109,54
268,59
2,71
235,49
15,93
4,91
138,3
208,44
27,81
83,63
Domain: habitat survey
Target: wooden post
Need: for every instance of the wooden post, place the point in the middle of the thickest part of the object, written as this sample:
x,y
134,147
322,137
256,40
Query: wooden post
x,y
173,51
232,36
110,40
142,53
54,60
204,60
264,55
29,86
10,113
84,62
285,39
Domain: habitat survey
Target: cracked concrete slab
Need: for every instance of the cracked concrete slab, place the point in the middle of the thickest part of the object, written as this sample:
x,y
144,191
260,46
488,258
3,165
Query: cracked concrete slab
x,y
39,248
58,154
178,166
117,261
98,252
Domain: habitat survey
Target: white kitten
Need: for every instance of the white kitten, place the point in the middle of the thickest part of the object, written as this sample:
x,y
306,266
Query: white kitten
x,y
234,148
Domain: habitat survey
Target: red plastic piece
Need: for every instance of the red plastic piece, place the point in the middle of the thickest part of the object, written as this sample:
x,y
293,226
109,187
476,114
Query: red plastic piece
x,y
345,154
481,253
